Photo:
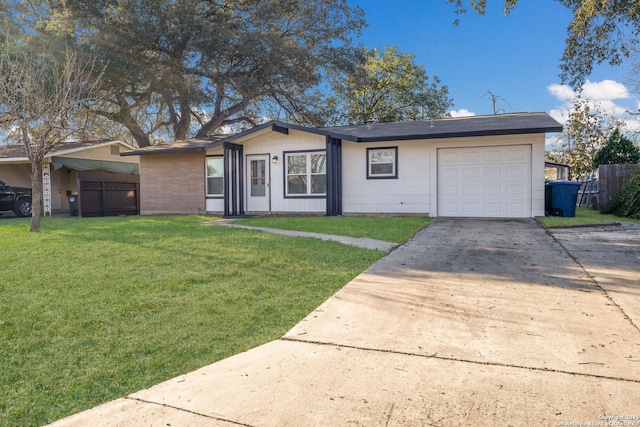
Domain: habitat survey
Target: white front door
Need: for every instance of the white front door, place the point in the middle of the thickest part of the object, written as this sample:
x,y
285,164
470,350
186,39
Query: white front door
x,y
258,188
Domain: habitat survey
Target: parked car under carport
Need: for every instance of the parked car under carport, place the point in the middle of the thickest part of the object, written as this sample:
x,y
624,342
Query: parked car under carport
x,y
15,199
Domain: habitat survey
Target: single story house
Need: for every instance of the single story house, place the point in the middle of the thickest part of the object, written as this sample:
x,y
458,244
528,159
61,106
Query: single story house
x,y
480,166
65,162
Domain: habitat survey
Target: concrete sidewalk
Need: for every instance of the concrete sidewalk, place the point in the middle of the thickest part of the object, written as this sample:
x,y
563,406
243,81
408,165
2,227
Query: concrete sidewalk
x,y
361,242
471,322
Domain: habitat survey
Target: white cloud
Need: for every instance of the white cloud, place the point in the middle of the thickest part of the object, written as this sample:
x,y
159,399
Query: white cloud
x,y
560,115
607,96
604,90
461,113
633,124
610,108
562,92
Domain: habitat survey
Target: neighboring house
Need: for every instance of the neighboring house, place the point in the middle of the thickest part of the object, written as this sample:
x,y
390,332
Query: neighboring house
x,y
480,166
66,161
556,171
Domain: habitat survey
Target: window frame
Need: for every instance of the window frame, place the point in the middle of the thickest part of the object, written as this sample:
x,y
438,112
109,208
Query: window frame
x,y
206,177
394,163
309,174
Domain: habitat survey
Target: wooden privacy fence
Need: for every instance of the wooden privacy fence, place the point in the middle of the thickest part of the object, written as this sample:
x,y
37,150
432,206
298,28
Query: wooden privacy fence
x,y
108,194
599,186
612,178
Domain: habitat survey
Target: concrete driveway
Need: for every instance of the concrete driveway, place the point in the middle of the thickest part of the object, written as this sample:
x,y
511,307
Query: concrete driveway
x,y
472,322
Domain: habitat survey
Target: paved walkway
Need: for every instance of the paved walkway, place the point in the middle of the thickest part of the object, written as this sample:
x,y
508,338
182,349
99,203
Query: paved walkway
x,y
361,242
471,322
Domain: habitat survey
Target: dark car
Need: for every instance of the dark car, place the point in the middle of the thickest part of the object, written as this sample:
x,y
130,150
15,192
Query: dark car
x,y
15,199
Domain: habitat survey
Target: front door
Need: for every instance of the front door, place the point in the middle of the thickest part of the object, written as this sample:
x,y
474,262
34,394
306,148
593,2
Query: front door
x,y
258,194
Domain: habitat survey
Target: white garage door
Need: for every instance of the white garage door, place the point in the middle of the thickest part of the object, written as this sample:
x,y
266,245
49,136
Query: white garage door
x,y
493,182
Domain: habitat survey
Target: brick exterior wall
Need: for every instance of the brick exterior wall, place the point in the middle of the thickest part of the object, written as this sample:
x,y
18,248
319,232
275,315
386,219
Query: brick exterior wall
x,y
172,184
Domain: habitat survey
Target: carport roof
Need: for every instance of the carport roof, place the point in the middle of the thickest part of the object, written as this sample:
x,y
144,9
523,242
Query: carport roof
x,y
501,124
13,152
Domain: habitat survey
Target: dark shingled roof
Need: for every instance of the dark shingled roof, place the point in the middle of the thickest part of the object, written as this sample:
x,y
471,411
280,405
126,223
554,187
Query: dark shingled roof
x,y
501,124
192,145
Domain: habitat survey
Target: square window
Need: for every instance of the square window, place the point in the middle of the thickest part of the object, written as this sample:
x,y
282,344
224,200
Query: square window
x,y
306,173
382,163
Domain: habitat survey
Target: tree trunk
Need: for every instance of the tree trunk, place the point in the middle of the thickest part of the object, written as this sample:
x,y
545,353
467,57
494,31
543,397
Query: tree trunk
x,y
36,197
140,136
182,127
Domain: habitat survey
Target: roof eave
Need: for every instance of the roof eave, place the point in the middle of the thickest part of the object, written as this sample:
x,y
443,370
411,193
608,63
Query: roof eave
x,y
497,132
275,126
164,151
174,150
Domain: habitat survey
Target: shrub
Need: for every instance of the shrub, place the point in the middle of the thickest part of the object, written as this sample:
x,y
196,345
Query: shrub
x,y
626,202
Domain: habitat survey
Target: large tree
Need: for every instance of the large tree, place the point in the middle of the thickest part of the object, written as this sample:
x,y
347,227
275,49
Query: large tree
x,y
387,86
190,67
602,31
42,100
585,132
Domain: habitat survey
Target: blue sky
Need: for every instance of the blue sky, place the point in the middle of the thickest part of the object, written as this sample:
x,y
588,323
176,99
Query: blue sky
x,y
516,57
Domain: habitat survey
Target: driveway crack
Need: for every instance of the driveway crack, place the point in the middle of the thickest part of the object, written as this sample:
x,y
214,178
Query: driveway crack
x,y
455,359
593,279
177,408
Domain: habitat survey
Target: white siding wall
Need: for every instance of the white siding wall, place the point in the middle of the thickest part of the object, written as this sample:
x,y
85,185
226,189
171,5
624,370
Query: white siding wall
x,y
275,144
408,194
415,190
537,174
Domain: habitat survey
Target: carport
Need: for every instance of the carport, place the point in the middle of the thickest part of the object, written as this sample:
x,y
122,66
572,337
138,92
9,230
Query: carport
x,y
91,171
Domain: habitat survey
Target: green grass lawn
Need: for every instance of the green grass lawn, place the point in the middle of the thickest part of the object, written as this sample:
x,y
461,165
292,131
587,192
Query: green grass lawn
x,y
388,229
584,216
93,309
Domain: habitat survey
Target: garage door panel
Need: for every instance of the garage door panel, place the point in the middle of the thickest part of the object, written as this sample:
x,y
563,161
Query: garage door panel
x,y
516,172
492,173
471,156
450,209
493,208
471,190
471,173
485,181
516,209
493,190
516,190
516,156
493,155
452,190
450,173
450,157
471,208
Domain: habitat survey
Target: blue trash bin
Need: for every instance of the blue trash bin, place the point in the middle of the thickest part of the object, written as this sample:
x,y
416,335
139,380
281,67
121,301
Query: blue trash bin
x,y
562,198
